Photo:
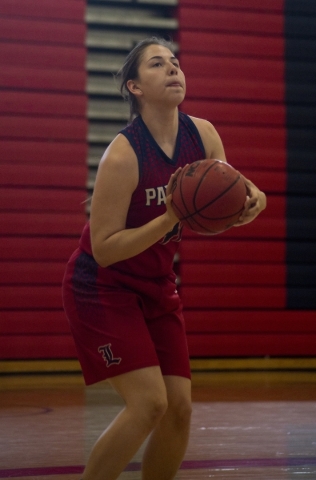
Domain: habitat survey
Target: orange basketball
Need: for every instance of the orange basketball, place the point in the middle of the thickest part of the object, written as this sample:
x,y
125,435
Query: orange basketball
x,y
208,196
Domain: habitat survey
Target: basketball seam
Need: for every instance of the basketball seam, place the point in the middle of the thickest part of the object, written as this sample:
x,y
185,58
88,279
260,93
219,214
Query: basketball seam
x,y
214,200
193,217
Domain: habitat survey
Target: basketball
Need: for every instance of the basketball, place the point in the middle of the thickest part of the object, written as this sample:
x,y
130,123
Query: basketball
x,y
208,196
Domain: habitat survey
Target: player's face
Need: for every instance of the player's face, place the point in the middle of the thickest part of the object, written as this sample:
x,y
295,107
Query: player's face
x,y
160,78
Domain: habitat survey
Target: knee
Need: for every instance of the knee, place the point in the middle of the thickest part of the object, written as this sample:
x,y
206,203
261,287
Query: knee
x,y
157,408
180,411
152,408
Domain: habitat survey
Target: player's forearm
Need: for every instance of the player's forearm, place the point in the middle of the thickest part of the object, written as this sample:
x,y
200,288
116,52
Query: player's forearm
x,y
130,242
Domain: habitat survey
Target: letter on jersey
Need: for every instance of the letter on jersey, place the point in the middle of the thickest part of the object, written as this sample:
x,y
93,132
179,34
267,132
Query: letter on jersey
x,y
150,195
155,193
161,196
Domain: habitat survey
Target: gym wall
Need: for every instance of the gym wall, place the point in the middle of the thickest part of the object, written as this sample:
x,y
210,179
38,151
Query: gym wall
x,y
249,292
43,129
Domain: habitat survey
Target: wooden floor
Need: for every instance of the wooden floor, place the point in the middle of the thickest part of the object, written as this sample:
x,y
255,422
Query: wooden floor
x,y
257,425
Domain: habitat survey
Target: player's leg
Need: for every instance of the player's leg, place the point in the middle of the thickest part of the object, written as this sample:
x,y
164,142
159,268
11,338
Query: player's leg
x,y
144,393
168,442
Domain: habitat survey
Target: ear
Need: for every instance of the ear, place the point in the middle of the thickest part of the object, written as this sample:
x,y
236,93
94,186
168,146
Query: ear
x,y
133,88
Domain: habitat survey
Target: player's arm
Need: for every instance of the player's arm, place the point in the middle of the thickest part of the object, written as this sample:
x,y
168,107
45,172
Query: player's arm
x,y
256,200
212,142
116,180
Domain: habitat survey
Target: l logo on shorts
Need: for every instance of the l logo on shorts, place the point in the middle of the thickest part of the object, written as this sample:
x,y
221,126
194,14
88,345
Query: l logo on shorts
x,y
108,355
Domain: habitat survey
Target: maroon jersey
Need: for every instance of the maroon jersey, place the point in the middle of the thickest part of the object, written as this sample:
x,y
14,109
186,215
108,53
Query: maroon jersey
x,y
148,200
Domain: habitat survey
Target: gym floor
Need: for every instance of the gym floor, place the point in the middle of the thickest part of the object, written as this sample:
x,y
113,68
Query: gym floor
x,y
245,425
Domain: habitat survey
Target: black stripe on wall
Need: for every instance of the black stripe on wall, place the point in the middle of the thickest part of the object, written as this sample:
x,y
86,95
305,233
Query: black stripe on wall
x,y
301,7
301,252
300,76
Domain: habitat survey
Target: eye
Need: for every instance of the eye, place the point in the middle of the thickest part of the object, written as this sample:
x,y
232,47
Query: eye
x,y
158,64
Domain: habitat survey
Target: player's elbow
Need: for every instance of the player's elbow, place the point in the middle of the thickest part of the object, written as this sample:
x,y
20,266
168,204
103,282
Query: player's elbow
x,y
101,262
99,255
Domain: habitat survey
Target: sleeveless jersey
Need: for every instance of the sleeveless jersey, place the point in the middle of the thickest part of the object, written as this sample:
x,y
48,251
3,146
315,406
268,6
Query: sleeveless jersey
x,y
148,200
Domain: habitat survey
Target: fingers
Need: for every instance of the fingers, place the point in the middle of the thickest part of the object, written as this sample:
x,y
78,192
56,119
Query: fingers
x,y
171,184
250,212
254,204
169,190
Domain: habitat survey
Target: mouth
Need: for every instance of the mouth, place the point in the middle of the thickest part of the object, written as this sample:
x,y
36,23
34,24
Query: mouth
x,y
174,84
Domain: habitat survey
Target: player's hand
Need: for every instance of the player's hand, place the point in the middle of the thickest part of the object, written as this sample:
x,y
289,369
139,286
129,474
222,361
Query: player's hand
x,y
256,202
169,190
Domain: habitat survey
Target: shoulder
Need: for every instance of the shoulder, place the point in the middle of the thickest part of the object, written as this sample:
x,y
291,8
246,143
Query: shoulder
x,y
119,159
119,151
205,128
210,138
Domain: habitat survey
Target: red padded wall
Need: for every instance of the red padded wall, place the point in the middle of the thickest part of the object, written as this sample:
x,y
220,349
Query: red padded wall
x,y
43,131
234,285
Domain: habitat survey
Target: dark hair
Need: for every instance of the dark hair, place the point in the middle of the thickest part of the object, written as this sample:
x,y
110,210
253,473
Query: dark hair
x,y
129,71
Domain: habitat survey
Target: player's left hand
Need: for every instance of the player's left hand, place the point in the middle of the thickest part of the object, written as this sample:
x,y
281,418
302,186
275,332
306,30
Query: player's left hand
x,y
169,189
256,202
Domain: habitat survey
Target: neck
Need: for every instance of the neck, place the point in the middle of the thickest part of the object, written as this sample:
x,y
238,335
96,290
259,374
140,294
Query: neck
x,y
163,125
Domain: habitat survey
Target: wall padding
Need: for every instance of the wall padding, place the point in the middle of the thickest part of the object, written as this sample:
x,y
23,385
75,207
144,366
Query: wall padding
x,y
43,130
236,286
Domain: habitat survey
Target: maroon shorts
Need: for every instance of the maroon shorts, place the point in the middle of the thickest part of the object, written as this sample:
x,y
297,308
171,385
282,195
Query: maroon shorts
x,y
121,322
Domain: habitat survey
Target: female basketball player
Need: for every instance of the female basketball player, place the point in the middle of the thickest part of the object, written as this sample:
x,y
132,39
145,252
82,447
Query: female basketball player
x,y
119,288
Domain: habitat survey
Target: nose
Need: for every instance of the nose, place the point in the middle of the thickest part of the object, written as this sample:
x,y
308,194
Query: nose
x,y
173,70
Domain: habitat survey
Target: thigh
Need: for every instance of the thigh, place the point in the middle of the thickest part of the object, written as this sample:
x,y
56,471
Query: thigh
x,y
107,323
169,336
138,387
